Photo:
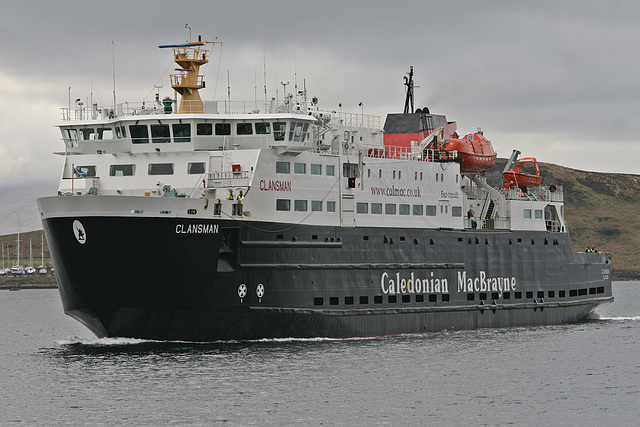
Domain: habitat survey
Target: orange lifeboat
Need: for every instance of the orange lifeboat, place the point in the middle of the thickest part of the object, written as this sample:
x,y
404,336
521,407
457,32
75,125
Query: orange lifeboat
x,y
520,178
475,152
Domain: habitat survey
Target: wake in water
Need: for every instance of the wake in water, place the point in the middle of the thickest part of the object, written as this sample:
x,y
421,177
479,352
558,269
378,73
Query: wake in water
x,y
622,318
106,342
597,316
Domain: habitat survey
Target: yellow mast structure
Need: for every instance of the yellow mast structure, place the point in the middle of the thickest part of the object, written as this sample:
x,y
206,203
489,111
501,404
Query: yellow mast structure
x,y
189,57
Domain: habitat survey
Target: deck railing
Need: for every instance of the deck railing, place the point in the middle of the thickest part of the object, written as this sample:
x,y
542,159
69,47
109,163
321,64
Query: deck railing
x,y
410,153
97,111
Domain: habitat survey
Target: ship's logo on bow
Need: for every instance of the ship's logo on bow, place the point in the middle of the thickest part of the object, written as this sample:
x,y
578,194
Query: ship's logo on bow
x,y
79,231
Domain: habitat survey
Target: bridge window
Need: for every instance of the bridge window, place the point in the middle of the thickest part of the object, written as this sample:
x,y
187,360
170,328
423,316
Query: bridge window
x,y
160,134
527,213
330,170
316,205
418,210
430,210
71,137
456,210
244,129
376,208
295,133
263,128
538,213
331,206
316,169
139,134
362,208
182,132
223,129
105,133
403,209
88,134
204,129
389,209
279,130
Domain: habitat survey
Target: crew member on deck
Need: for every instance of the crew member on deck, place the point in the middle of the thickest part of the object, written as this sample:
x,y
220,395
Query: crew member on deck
x,y
588,249
230,195
240,196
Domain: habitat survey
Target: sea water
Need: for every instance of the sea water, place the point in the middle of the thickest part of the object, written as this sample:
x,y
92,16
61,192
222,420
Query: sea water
x,y
53,371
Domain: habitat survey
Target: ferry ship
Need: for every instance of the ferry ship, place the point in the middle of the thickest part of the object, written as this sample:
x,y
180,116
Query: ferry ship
x,y
188,219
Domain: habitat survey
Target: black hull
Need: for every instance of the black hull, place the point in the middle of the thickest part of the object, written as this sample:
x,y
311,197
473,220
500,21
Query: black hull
x,y
153,278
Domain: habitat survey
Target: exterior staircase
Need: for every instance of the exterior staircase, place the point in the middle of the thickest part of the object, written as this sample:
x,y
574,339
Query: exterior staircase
x,y
486,222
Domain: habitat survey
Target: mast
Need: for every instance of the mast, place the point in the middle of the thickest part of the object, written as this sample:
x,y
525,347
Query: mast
x,y
189,57
18,246
408,102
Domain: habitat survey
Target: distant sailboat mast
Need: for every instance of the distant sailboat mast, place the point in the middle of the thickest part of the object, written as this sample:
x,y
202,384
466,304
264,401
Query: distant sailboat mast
x,y
18,245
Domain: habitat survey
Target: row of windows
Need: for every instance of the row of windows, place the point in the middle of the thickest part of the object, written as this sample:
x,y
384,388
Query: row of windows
x,y
439,175
181,132
350,170
378,299
301,168
363,208
482,296
130,170
303,205
536,212
406,209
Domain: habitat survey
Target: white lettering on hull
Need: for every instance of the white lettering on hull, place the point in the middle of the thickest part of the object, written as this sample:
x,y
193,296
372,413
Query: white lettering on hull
x,y
413,285
197,228
485,284
395,284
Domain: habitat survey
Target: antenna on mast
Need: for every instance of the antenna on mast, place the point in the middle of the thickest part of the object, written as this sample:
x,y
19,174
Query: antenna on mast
x,y
113,71
264,71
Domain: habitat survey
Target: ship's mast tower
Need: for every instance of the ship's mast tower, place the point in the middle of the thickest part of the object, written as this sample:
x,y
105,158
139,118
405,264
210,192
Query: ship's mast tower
x,y
189,57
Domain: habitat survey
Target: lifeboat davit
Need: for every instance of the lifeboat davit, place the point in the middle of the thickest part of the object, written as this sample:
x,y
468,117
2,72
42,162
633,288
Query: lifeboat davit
x,y
475,152
520,178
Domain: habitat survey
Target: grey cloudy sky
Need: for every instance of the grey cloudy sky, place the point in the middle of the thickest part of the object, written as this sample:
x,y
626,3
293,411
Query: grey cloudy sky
x,y
558,80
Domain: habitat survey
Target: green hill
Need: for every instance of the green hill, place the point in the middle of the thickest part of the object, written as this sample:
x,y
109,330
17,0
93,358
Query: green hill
x,y
601,209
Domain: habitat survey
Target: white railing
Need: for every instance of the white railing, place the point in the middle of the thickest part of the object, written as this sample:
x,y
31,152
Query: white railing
x,y
409,153
229,179
98,111
541,193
